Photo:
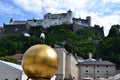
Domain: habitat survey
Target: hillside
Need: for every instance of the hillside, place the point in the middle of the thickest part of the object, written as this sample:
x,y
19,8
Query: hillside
x,y
80,42
76,43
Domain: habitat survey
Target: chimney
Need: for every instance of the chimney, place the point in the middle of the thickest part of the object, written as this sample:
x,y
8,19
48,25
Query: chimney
x,y
90,56
75,55
11,21
100,59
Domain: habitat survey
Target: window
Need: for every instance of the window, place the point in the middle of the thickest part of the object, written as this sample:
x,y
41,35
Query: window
x,y
107,77
35,20
106,71
98,71
16,29
86,70
55,23
106,66
98,77
16,79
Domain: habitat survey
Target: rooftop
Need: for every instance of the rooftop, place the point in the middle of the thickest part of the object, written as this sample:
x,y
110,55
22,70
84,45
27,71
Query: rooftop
x,y
96,63
18,67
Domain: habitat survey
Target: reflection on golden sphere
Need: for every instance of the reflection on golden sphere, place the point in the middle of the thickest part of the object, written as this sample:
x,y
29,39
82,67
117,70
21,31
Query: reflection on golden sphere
x,y
40,61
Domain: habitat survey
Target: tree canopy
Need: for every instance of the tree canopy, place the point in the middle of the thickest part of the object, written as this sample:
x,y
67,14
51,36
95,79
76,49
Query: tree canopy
x,y
80,42
110,45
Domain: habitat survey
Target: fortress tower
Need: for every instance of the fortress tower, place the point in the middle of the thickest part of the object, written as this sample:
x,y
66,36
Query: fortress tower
x,y
69,17
89,20
57,19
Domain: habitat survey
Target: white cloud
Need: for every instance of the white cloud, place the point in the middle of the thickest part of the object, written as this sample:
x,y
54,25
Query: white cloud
x,y
9,10
111,1
106,21
101,12
30,5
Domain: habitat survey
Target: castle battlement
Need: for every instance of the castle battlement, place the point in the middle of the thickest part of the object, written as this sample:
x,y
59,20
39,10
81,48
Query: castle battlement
x,y
55,19
83,22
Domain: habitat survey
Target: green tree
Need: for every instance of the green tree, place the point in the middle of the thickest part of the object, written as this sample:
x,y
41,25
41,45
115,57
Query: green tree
x,y
111,49
114,31
9,59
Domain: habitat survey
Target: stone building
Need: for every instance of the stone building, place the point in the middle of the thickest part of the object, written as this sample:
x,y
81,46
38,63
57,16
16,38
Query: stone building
x,y
1,30
96,30
62,18
70,68
10,71
96,69
55,19
67,68
73,67
82,22
50,19
16,28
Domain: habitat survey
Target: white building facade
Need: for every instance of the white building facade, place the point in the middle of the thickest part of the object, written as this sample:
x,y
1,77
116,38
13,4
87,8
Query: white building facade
x,y
70,68
96,69
67,65
8,72
55,19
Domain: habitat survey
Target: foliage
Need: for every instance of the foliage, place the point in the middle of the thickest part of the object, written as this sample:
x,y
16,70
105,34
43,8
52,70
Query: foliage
x,y
76,43
110,46
85,33
111,49
114,31
9,59
80,43
12,44
81,48
35,31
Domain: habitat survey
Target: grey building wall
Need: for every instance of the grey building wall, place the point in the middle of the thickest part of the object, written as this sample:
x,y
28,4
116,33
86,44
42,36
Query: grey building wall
x,y
9,73
96,71
35,22
68,68
16,28
1,30
62,62
84,22
55,19
74,68
97,30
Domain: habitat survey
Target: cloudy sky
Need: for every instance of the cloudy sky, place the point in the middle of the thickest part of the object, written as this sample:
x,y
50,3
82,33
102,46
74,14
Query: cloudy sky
x,y
103,12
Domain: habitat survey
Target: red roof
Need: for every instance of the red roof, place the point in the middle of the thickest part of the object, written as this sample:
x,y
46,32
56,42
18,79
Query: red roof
x,y
18,56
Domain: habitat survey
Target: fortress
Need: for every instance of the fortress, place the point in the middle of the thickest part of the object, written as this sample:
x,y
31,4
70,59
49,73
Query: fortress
x,y
23,26
55,19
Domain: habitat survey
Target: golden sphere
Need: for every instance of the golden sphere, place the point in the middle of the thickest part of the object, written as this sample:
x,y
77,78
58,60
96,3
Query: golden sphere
x,y
40,61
